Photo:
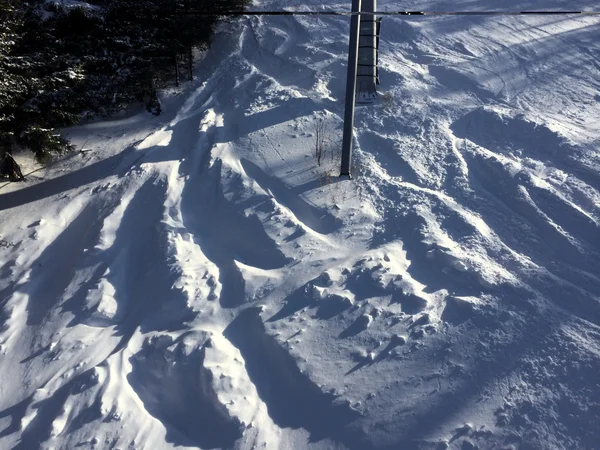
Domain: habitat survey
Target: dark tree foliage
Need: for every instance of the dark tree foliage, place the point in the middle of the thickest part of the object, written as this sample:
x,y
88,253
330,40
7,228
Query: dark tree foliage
x,y
61,64
12,86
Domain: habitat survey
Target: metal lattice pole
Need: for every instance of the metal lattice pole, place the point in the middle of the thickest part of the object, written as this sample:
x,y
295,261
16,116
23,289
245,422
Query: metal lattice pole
x,y
350,89
366,77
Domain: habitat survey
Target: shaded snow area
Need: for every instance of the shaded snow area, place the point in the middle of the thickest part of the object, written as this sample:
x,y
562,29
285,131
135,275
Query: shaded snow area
x,y
197,281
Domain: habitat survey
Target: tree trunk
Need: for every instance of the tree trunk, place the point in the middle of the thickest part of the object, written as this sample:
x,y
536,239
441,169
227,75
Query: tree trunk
x,y
191,62
190,54
9,168
176,70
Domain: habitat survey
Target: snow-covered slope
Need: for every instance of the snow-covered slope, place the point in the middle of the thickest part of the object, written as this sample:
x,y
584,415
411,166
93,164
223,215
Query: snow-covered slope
x,y
197,281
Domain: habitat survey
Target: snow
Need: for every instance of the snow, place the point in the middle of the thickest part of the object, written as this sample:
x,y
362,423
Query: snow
x,y
195,280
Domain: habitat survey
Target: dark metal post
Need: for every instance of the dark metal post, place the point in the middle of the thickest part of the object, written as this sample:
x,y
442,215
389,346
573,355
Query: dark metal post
x,y
350,89
366,77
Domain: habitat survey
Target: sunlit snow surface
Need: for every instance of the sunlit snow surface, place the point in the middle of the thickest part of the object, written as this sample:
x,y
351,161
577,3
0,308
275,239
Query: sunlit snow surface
x,y
196,281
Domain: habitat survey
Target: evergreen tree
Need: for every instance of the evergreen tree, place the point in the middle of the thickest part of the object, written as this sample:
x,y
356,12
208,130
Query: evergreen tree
x,y
11,85
61,64
35,80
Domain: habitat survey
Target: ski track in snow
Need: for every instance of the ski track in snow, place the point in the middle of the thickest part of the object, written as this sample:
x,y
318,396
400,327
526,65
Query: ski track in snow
x,y
197,281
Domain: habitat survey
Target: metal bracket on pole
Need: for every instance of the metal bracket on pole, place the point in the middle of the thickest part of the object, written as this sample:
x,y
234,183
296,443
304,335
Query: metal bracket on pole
x,y
350,89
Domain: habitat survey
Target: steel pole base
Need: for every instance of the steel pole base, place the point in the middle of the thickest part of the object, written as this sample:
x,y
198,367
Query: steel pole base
x,y
350,90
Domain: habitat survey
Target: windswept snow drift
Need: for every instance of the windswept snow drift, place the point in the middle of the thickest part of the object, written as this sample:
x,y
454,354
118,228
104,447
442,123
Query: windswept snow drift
x,y
197,281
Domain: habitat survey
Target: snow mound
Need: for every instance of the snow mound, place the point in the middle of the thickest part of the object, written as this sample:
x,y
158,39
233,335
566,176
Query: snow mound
x,y
199,280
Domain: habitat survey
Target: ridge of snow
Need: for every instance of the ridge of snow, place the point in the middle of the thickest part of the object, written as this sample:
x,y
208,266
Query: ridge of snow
x,y
198,281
